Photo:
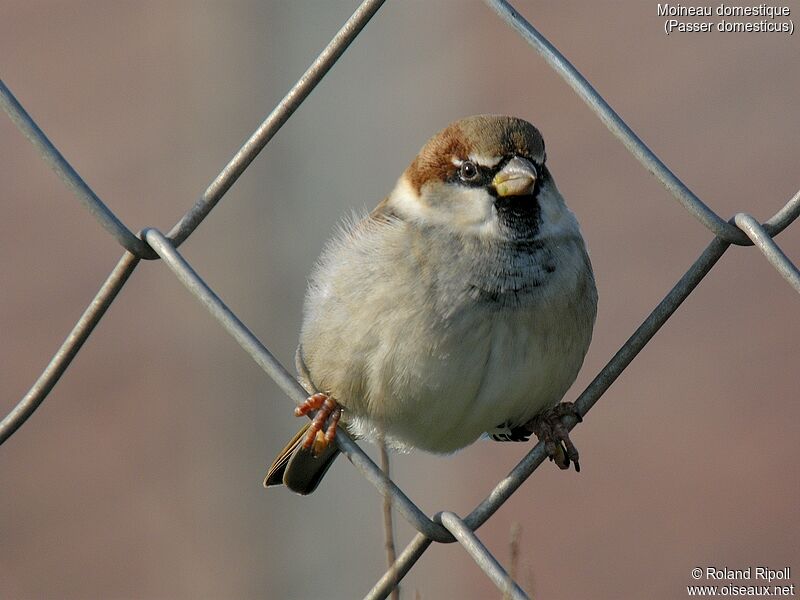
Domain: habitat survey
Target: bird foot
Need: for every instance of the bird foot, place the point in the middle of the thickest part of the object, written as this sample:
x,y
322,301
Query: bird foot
x,y
550,429
327,410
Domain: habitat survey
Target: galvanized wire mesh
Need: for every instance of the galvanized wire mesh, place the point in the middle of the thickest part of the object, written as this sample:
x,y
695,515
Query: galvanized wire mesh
x,y
444,527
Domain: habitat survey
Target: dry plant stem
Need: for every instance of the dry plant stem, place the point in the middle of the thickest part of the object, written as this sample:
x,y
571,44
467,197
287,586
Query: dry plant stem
x,y
388,525
516,532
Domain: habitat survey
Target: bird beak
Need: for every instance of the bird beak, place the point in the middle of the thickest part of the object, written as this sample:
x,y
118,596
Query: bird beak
x,y
517,178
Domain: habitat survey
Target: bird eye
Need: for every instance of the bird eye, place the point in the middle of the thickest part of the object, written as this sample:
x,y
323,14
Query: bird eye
x,y
468,171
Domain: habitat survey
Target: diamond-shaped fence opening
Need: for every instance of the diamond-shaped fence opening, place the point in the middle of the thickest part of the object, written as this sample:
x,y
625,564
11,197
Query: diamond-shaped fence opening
x,y
444,527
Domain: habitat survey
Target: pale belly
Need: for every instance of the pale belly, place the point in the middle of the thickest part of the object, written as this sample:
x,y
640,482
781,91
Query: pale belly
x,y
485,370
425,362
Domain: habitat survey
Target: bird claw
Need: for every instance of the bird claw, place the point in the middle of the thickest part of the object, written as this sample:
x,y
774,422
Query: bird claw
x,y
327,410
550,429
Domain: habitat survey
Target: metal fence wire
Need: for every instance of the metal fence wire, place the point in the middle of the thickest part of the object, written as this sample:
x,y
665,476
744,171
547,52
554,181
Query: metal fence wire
x,y
444,527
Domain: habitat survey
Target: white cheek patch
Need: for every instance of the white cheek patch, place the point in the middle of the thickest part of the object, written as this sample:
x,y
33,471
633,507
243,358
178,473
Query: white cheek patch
x,y
474,206
455,206
551,203
557,220
474,212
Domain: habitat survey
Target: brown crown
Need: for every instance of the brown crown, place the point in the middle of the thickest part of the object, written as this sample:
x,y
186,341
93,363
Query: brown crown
x,y
487,135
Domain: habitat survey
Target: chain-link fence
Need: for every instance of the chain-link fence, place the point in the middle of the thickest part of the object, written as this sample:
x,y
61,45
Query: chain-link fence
x,y
444,527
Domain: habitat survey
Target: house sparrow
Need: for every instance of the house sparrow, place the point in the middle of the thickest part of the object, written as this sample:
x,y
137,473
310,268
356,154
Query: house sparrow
x,y
462,305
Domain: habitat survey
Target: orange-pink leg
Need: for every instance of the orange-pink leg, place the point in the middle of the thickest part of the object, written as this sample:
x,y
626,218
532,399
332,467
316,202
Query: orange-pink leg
x,y
327,410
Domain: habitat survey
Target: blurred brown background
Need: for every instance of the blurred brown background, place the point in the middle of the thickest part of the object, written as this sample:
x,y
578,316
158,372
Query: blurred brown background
x,y
140,475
